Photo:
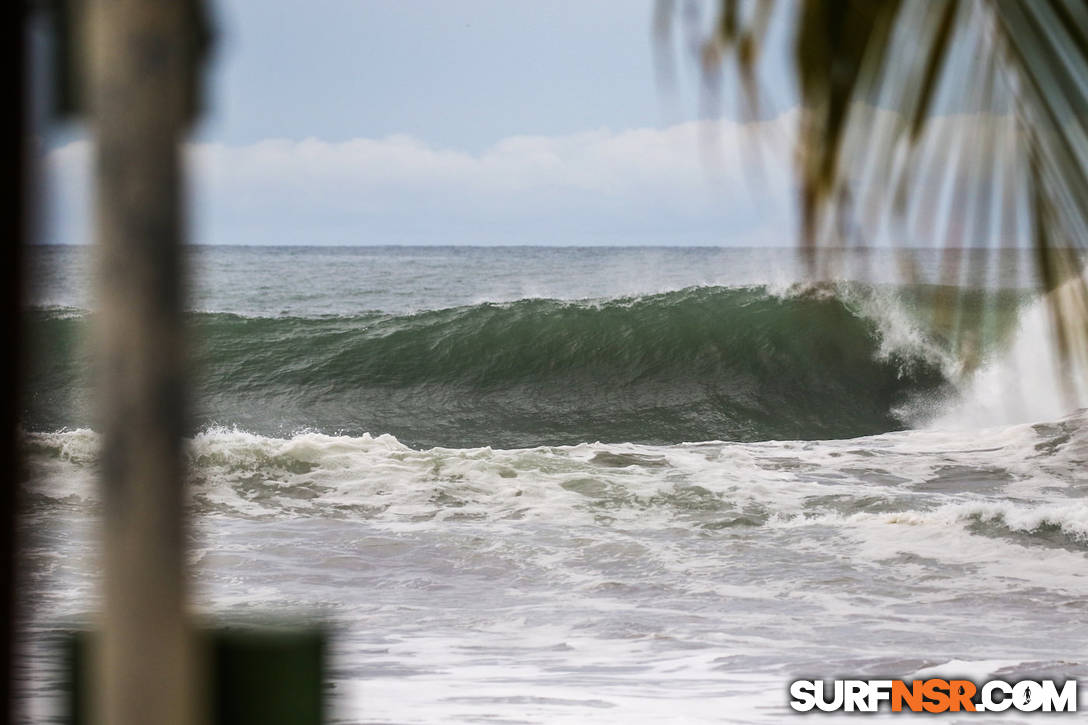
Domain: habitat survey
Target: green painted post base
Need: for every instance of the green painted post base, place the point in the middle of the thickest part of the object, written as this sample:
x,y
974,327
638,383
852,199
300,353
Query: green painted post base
x,y
255,676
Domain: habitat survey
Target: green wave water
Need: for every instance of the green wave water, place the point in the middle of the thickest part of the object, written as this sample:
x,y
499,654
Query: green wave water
x,y
697,364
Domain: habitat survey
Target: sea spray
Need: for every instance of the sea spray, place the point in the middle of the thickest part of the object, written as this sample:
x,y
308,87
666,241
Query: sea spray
x,y
1024,381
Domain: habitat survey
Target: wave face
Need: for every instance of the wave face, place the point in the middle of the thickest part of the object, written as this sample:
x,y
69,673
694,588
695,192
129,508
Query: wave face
x,y
738,364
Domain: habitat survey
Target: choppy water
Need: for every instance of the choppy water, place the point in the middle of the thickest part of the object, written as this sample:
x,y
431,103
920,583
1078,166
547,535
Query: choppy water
x,y
576,486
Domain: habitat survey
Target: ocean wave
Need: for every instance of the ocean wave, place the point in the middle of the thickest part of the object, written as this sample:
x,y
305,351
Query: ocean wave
x,y
1024,483
744,364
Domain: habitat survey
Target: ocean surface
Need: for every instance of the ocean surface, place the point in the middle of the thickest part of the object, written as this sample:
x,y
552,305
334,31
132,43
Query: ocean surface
x,y
612,485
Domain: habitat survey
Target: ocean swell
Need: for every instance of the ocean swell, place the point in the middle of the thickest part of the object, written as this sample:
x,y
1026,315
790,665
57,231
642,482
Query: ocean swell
x,y
709,363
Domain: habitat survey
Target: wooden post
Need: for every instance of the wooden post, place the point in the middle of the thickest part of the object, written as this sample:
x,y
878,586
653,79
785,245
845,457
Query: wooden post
x,y
138,96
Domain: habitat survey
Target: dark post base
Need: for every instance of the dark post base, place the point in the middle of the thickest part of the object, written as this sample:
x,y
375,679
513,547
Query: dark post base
x,y
255,676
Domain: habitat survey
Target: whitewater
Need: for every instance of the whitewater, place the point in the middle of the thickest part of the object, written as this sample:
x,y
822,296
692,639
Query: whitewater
x,y
569,485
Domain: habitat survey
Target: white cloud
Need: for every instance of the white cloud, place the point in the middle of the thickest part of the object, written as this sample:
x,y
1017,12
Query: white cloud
x,y
657,186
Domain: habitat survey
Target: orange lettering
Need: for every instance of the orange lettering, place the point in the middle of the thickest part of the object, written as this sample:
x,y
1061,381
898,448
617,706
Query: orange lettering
x,y
960,694
936,691
911,695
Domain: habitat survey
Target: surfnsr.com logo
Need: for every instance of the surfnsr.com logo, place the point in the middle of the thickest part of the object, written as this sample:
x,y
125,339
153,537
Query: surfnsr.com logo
x,y
933,696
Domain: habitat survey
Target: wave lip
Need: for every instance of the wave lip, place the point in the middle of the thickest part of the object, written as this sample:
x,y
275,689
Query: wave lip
x,y
705,363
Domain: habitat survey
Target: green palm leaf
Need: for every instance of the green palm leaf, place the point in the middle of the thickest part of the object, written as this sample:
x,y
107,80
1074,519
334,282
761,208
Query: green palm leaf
x,y
953,123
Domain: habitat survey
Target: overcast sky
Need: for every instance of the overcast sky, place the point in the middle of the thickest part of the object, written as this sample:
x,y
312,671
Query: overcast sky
x,y
462,122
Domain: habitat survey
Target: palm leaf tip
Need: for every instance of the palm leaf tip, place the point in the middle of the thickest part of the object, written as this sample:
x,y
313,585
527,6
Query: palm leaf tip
x,y
957,124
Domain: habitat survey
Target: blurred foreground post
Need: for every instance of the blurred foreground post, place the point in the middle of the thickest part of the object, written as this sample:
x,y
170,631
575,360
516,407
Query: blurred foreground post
x,y
139,97
13,217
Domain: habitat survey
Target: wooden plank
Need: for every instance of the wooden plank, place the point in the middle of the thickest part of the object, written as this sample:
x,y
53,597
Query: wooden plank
x,y
140,73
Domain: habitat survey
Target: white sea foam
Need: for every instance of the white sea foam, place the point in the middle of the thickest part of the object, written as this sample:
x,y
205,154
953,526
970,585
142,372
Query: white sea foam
x,y
1026,382
618,582
990,474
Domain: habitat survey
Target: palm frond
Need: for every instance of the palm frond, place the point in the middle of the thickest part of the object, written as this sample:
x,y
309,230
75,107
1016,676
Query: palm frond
x,y
960,124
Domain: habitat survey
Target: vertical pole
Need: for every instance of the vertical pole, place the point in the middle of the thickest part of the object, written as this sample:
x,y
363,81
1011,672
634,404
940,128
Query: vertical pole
x,y
140,73
13,218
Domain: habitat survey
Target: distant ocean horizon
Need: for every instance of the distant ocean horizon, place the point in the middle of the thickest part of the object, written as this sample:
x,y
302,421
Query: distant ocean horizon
x,y
597,484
